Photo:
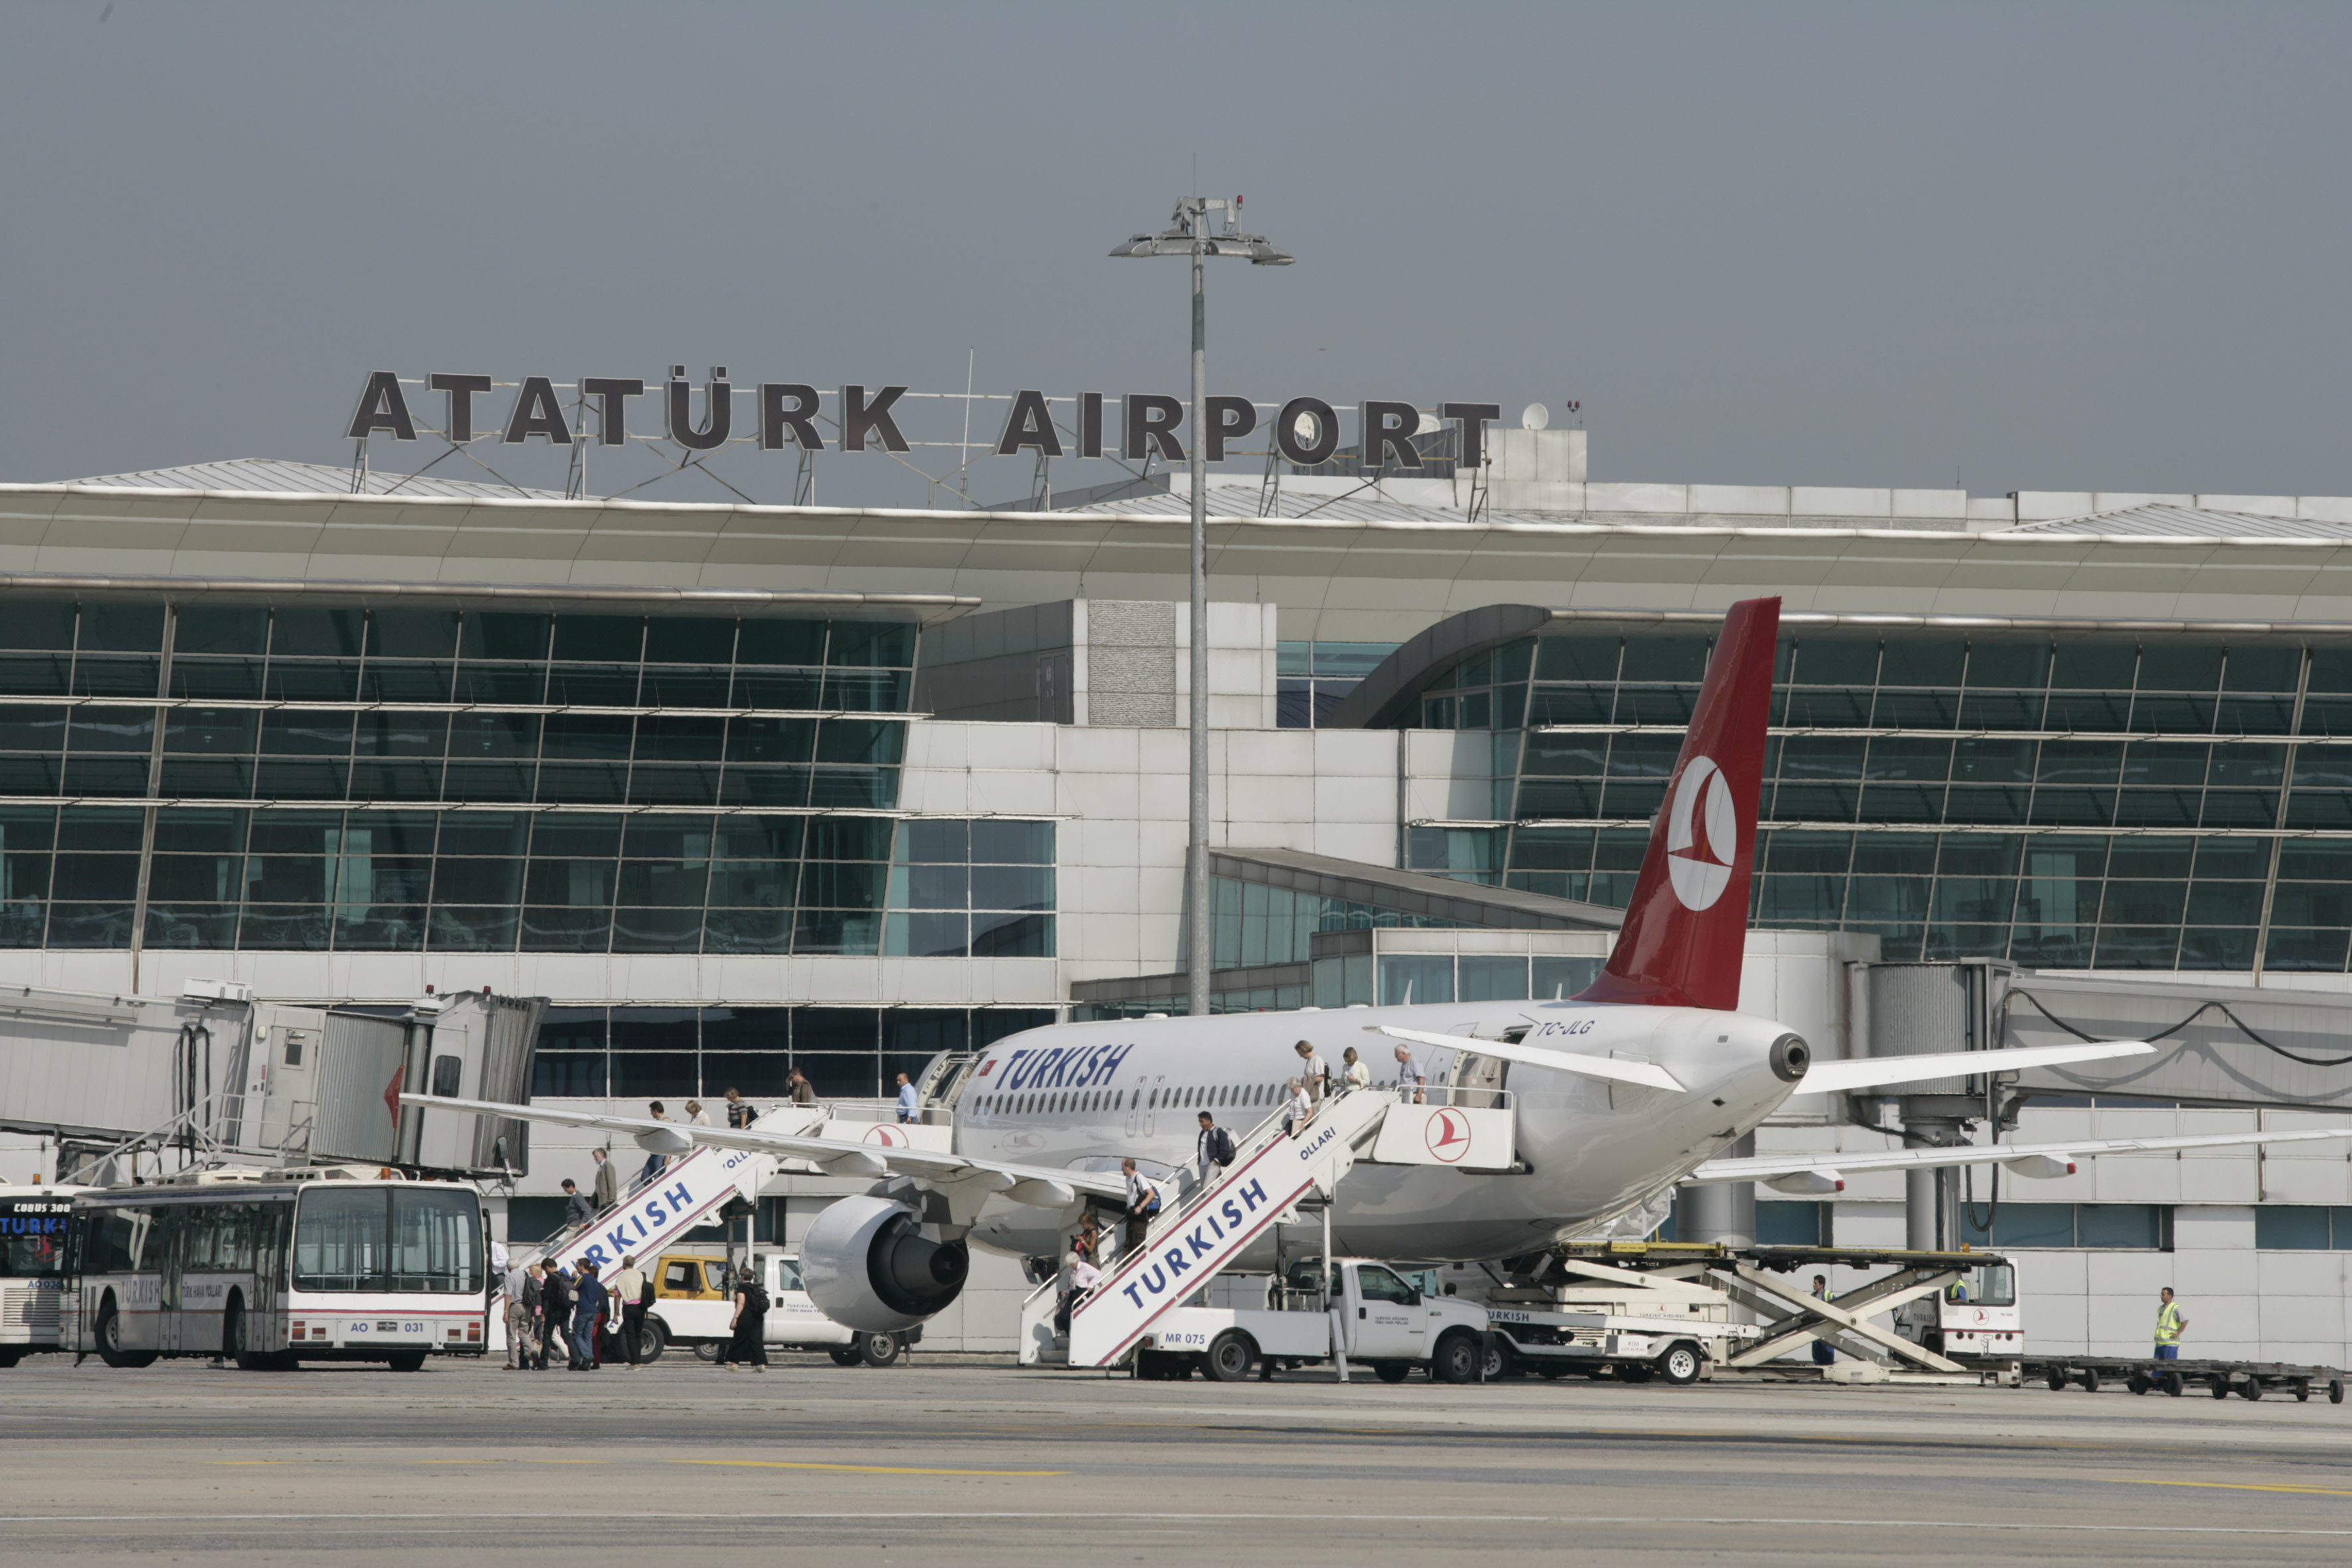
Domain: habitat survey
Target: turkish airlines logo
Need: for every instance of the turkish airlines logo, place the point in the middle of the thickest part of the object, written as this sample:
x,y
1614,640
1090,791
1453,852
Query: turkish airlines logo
x,y
1448,1135
888,1136
1702,835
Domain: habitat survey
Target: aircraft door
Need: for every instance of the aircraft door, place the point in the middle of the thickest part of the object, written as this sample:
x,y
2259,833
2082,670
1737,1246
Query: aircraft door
x,y
1391,1323
1478,1081
1134,1108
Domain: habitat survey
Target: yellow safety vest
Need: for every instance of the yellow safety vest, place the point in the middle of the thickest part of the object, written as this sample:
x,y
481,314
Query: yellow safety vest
x,y
2167,1323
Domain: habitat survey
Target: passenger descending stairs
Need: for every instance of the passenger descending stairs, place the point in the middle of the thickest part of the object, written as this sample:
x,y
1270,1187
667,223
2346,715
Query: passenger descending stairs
x,y
1271,1174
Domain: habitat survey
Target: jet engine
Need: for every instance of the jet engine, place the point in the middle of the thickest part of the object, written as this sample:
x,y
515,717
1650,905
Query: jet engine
x,y
867,1264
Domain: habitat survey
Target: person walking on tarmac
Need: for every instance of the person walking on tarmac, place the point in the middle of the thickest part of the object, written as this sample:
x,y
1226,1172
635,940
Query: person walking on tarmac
x,y
2168,1326
1212,1150
629,1291
587,1315
554,1313
608,1180
749,1345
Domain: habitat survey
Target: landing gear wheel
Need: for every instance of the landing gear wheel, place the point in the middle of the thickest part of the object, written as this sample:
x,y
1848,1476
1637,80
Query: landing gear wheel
x,y
2090,1380
1231,1356
110,1341
2138,1381
2174,1384
842,1355
407,1360
1680,1365
1458,1358
1392,1371
2251,1389
2056,1378
878,1350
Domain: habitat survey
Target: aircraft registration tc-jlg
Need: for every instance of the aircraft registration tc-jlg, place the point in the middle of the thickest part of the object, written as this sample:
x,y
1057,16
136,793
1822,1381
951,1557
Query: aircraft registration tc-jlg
x,y
1616,1096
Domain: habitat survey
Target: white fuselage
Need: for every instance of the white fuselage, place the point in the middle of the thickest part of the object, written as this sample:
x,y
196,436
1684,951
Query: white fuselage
x,y
1081,1096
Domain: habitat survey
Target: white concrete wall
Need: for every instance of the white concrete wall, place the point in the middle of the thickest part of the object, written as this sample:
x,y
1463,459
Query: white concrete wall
x,y
2241,1302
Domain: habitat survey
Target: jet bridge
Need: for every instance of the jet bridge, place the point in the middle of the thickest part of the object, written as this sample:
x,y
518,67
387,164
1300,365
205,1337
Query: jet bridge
x,y
138,1085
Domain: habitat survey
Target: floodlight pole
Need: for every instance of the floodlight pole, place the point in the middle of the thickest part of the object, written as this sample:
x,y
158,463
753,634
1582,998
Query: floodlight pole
x,y
1189,237
1199,950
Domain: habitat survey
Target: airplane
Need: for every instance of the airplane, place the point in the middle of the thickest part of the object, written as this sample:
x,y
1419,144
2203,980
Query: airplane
x,y
1620,1094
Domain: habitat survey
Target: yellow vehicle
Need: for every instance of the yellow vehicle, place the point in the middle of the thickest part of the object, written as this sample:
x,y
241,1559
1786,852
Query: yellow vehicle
x,y
694,1296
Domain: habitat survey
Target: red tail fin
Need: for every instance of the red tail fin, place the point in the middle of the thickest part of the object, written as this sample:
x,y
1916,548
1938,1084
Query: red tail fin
x,y
1685,931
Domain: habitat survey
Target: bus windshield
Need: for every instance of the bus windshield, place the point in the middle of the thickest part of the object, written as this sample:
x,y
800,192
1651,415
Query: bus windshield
x,y
406,1241
33,1236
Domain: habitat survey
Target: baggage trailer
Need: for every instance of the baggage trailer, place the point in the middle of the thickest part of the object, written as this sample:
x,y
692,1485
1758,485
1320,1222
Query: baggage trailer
x,y
2144,1375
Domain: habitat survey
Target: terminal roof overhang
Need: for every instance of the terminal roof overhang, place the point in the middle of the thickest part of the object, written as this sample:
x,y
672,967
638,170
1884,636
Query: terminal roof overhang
x,y
1384,699
1333,576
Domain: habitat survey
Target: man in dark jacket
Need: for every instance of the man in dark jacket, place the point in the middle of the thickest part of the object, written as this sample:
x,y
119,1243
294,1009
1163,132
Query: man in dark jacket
x,y
1213,1149
554,1311
578,1208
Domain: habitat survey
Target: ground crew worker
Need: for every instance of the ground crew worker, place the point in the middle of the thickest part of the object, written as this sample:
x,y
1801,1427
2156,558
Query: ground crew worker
x,y
2169,1324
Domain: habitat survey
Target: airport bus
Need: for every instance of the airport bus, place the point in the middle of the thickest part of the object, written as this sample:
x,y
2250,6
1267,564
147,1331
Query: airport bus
x,y
34,1224
274,1270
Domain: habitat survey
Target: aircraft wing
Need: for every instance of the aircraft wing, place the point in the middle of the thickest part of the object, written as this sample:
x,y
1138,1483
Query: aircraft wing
x,y
1046,1186
1649,1075
1826,1172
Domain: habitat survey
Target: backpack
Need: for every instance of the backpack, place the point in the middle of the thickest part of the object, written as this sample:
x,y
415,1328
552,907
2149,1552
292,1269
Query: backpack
x,y
1223,1148
755,1297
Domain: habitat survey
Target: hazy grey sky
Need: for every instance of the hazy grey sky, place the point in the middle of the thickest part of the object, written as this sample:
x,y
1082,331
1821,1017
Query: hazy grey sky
x,y
2038,247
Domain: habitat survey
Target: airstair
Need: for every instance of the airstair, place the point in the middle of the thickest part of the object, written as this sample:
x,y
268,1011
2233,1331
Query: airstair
x,y
1185,1249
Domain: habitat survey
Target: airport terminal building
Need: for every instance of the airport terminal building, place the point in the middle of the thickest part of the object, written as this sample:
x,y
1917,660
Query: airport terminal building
x,y
743,789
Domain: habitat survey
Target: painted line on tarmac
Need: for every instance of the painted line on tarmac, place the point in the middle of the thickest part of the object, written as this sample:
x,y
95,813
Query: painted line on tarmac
x,y
2234,1486
858,1469
1096,1516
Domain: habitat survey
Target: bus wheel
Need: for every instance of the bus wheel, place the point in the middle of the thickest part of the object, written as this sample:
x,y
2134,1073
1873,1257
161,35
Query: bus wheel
x,y
232,1343
407,1360
110,1340
878,1350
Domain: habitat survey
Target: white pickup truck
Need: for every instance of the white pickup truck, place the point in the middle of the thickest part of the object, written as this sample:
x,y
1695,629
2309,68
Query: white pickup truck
x,y
694,1297
1380,1320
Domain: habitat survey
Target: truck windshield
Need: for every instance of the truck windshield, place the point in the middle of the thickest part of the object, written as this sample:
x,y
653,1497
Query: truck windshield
x,y
388,1239
788,1274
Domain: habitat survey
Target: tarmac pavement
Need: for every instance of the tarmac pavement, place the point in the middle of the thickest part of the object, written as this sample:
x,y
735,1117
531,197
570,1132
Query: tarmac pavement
x,y
970,1461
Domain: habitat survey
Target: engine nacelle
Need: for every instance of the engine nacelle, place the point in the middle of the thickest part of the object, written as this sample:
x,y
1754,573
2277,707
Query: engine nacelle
x,y
867,1265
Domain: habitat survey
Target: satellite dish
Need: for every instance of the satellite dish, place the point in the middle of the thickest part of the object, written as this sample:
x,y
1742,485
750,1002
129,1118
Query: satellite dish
x,y
1534,416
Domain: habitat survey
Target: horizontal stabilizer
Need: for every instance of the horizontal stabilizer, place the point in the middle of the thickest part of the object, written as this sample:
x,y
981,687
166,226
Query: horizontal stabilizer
x,y
2026,1159
1870,1072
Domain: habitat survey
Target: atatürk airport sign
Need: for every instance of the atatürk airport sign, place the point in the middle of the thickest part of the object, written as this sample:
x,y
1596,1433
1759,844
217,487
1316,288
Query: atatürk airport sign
x,y
1306,431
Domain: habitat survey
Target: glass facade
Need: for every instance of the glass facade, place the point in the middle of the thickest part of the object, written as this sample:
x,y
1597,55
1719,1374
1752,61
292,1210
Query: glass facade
x,y
411,779
1311,678
1258,924
671,1053
2074,800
